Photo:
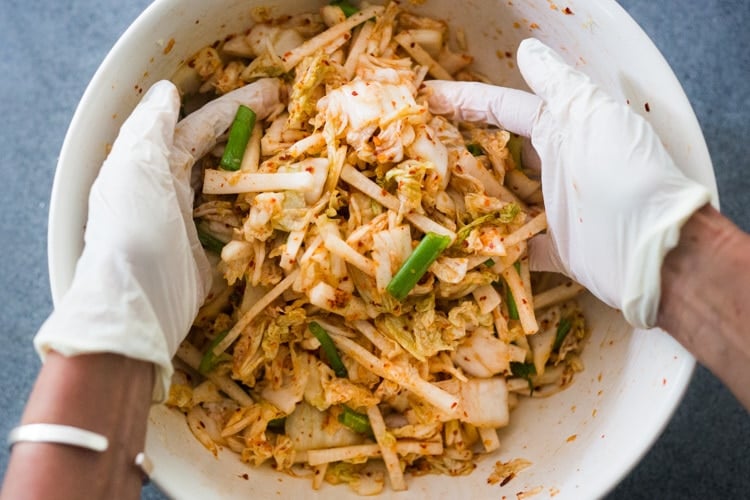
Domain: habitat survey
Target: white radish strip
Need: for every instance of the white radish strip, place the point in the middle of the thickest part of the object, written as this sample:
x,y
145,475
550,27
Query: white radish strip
x,y
487,298
293,244
525,274
337,246
330,299
312,142
422,448
534,226
357,49
293,57
319,474
224,182
520,184
387,448
254,311
427,225
387,347
512,254
251,158
191,356
522,299
356,179
489,437
447,403
561,293
410,45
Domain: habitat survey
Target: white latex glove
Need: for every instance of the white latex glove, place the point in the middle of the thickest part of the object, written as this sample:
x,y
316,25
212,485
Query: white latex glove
x,y
614,198
143,273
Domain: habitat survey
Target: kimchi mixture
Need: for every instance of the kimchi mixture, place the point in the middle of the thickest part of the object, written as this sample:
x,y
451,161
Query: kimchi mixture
x,y
373,315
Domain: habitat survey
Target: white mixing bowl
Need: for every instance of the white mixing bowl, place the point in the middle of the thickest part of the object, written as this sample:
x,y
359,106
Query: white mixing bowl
x,y
582,441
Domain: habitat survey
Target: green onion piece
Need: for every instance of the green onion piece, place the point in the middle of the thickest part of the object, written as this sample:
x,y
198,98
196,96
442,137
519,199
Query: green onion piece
x,y
209,359
417,264
348,9
277,425
489,262
514,145
239,135
512,308
329,349
523,370
209,241
358,422
563,328
475,149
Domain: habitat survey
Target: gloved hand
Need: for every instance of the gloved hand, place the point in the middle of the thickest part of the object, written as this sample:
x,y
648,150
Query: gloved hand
x,y
615,200
143,273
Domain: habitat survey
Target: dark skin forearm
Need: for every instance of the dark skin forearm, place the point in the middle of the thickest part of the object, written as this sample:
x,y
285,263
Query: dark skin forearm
x,y
105,393
705,299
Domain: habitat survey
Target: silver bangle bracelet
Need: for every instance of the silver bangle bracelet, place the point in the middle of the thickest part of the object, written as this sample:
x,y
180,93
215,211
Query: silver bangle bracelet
x,y
72,436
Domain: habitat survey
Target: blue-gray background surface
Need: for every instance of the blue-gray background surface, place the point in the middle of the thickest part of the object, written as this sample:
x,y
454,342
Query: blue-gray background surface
x,y
49,50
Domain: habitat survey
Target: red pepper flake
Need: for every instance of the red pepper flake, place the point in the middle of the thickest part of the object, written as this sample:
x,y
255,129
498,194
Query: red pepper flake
x,y
243,476
507,479
170,45
355,93
648,108
567,11
508,54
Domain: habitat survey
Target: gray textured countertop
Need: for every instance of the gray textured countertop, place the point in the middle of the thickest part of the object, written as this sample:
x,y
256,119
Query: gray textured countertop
x,y
50,50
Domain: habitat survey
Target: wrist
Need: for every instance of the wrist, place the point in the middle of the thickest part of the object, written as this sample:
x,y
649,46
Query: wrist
x,y
705,295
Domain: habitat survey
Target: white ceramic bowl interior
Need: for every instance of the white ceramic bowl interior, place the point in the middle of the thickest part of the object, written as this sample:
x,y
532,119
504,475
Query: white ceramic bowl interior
x,y
582,441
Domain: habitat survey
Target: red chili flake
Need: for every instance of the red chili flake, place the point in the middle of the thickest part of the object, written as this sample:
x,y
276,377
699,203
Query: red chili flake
x,y
507,479
354,93
454,405
508,54
412,45
567,11
648,108
244,476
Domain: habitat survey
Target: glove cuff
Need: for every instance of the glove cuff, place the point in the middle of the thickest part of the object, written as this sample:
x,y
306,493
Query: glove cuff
x,y
642,291
105,311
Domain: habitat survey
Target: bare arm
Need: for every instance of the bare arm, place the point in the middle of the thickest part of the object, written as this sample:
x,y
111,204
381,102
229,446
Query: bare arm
x,y
105,393
705,300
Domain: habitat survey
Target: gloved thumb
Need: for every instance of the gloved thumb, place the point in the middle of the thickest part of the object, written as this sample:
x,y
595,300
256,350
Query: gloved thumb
x,y
543,256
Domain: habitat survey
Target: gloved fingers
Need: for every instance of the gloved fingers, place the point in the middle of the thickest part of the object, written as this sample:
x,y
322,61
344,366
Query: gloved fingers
x,y
549,76
543,256
152,122
196,134
511,109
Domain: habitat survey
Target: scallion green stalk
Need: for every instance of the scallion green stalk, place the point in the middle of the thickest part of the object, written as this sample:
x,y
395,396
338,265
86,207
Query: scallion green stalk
x,y
329,349
348,9
209,359
209,241
358,422
239,135
417,264
563,328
